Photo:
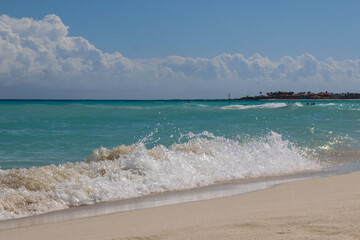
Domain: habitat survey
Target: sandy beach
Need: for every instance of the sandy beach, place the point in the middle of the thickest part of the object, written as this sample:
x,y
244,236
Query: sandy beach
x,y
324,208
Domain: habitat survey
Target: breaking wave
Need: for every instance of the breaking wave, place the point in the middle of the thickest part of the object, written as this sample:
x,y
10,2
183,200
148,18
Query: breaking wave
x,y
266,105
134,170
325,104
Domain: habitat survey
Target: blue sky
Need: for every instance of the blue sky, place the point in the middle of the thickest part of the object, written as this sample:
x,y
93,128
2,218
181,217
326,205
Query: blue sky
x,y
145,29
309,32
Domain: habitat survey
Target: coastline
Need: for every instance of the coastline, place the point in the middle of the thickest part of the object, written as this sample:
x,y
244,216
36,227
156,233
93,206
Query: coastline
x,y
302,99
321,208
217,190
179,100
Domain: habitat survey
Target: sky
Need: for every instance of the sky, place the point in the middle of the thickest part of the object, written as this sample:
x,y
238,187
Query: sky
x,y
166,49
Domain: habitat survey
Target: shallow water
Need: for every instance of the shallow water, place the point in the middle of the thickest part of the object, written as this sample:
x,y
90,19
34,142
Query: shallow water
x,y
60,154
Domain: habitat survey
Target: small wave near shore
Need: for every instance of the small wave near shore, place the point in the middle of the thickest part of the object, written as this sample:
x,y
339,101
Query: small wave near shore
x,y
134,170
260,106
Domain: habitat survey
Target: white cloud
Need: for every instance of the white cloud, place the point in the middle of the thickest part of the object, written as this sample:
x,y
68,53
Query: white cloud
x,y
39,60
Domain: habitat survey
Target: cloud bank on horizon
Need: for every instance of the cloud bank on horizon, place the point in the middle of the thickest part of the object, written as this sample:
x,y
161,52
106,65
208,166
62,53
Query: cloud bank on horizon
x,y
39,60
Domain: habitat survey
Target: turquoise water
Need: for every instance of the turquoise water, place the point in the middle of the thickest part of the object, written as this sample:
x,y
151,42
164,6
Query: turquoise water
x,y
60,154
37,133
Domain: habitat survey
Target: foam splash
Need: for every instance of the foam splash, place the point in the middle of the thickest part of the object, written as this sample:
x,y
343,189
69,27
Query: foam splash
x,y
262,106
132,171
325,104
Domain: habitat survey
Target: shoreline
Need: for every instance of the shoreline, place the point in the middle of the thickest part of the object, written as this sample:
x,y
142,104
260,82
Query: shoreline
x,y
153,200
217,190
302,99
180,100
321,208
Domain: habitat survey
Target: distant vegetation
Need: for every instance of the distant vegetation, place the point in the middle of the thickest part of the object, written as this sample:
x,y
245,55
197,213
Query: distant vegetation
x,y
302,95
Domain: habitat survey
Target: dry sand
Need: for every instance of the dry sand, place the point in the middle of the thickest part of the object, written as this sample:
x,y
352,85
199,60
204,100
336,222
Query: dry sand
x,y
325,208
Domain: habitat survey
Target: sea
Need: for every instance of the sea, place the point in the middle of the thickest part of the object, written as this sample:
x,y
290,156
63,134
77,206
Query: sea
x,y
56,155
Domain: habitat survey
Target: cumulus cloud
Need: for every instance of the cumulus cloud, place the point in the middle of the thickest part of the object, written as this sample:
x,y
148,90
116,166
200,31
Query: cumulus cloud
x,y
39,60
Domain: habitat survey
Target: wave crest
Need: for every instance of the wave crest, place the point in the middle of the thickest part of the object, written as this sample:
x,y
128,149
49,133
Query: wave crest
x,y
132,171
261,106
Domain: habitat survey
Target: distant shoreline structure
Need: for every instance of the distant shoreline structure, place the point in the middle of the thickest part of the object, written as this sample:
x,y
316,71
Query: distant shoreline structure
x,y
286,96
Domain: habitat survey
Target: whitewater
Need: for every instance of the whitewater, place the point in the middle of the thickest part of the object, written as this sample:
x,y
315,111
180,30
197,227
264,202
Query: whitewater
x,y
57,155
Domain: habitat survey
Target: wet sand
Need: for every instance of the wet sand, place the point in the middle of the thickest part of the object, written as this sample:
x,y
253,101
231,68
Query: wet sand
x,y
324,208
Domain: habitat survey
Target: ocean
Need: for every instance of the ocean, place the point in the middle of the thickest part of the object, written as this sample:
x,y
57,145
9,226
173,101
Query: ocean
x,y
61,154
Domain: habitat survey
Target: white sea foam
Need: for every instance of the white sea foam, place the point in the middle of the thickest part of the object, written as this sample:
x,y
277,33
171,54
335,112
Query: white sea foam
x,y
266,105
134,170
201,105
297,104
325,104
